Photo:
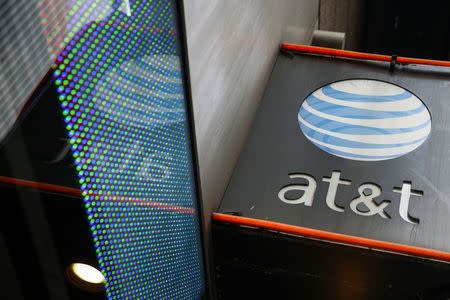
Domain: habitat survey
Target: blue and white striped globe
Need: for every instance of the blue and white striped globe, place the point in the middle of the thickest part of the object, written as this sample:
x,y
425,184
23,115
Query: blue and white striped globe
x,y
366,120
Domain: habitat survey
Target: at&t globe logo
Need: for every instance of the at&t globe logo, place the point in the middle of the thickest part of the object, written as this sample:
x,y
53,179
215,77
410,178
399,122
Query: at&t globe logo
x,y
366,120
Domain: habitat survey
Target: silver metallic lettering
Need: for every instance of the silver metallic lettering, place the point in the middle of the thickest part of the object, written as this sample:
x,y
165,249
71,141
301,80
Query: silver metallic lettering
x,y
334,181
367,192
309,190
405,194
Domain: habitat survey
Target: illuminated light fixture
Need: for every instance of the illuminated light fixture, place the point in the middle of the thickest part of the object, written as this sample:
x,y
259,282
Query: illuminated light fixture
x,y
87,273
86,277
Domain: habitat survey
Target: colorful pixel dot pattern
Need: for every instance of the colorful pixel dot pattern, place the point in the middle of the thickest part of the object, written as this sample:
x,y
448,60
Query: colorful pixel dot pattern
x,y
121,92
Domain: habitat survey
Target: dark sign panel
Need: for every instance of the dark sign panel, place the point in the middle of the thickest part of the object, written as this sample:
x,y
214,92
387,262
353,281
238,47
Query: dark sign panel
x,y
349,147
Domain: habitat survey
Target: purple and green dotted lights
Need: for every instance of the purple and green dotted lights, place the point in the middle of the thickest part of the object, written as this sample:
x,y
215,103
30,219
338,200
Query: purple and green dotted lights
x,y
121,91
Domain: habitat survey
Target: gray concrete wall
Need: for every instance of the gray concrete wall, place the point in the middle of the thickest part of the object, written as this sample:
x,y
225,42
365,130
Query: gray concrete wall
x,y
232,47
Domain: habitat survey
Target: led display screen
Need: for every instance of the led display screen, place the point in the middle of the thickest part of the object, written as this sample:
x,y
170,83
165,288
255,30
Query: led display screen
x,y
121,92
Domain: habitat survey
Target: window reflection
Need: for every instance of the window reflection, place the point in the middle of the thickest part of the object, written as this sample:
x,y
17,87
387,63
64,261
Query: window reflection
x,y
116,71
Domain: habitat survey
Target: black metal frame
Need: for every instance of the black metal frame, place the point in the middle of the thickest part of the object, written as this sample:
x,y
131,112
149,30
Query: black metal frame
x,y
181,26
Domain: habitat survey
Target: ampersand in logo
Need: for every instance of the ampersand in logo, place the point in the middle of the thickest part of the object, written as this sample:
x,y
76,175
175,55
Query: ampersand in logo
x,y
367,193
